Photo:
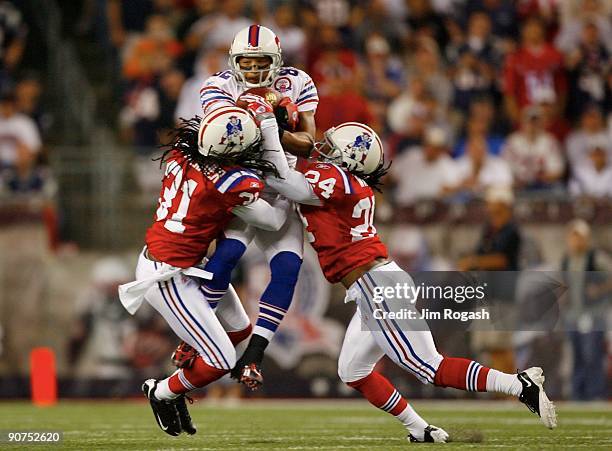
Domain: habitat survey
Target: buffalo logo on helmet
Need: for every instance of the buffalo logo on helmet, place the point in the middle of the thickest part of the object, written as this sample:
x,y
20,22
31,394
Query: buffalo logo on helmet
x,y
233,132
362,143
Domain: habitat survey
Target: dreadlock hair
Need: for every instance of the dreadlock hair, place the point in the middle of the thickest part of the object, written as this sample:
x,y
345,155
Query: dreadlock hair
x,y
374,178
184,139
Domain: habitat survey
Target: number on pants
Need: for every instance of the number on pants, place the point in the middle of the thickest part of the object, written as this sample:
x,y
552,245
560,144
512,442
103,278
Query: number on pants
x,y
175,222
364,207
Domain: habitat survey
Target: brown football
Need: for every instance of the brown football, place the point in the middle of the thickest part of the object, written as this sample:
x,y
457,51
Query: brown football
x,y
271,95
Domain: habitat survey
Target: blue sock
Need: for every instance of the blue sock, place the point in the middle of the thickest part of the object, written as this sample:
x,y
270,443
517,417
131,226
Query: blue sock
x,y
275,301
221,264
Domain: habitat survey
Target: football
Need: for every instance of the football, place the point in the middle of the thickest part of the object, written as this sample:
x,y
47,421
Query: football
x,y
271,95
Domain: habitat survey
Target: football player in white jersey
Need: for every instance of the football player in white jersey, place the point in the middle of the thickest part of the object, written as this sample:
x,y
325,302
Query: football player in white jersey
x,y
255,61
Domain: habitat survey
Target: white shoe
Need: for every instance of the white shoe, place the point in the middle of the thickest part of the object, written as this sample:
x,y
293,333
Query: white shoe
x,y
534,396
432,434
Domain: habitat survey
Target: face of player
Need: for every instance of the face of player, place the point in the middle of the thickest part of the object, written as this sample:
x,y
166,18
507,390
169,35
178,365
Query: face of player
x,y
255,69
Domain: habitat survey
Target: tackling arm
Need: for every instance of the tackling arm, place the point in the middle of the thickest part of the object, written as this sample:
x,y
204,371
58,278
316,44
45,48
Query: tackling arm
x,y
291,184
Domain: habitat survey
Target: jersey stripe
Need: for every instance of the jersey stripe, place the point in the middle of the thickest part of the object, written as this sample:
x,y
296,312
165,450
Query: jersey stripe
x,y
307,101
207,106
348,189
215,93
307,89
240,179
214,88
233,179
225,176
208,99
308,96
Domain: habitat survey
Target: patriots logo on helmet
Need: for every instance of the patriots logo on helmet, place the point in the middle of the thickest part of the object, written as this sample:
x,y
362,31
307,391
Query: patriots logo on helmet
x,y
361,144
233,132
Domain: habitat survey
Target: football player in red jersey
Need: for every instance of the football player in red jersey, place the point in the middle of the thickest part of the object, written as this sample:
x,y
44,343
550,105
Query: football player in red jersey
x,y
209,180
337,206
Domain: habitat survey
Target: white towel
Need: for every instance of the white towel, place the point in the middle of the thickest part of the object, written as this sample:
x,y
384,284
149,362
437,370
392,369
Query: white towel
x,y
132,294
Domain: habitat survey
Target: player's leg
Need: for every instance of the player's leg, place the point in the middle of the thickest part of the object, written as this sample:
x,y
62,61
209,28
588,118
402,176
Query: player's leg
x,y
284,251
233,317
409,343
229,249
358,356
181,303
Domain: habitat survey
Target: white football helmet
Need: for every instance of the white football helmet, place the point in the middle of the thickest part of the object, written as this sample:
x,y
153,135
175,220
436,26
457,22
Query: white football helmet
x,y
256,41
354,146
226,131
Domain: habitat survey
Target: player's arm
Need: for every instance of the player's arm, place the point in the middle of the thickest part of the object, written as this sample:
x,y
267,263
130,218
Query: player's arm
x,y
263,215
301,142
291,183
240,190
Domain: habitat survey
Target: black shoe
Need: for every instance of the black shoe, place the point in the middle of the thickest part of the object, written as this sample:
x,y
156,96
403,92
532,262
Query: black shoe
x,y
165,412
534,397
184,417
432,434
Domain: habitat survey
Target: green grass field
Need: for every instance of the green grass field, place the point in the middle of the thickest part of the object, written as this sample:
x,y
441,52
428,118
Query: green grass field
x,y
308,425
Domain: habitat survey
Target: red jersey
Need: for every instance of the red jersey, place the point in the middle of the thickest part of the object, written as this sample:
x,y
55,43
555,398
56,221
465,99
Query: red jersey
x,y
528,76
194,208
341,230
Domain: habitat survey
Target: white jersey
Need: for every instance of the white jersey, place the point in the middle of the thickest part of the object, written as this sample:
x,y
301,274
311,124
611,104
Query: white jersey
x,y
223,89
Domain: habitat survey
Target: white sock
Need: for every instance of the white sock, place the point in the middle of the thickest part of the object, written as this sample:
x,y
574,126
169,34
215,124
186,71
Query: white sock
x,y
413,422
503,383
163,392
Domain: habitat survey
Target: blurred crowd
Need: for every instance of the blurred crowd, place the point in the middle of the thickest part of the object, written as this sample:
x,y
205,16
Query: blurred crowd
x,y
467,94
23,121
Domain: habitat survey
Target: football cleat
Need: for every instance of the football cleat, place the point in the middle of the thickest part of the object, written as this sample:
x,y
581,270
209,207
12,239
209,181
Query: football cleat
x,y
184,417
432,434
251,376
534,396
165,412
